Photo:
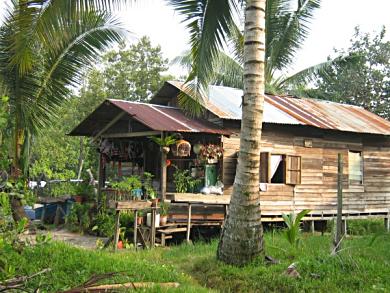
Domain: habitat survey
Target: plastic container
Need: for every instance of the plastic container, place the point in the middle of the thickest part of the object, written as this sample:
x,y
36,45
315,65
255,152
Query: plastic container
x,y
149,220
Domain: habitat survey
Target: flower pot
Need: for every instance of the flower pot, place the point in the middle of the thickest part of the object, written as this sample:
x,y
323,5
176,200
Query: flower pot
x,y
78,198
120,244
155,202
165,149
163,220
140,220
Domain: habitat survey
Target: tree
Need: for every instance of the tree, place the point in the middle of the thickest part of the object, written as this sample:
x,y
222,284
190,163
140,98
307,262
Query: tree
x,y
134,74
209,23
287,28
364,82
44,46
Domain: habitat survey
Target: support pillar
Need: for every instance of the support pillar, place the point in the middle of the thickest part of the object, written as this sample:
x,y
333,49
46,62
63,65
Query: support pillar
x,y
387,223
189,222
163,182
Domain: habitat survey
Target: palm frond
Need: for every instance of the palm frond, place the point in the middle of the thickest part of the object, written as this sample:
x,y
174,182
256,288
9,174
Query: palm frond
x,y
208,22
311,73
287,28
30,20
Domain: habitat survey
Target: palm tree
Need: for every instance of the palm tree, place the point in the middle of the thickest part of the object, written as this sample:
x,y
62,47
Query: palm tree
x,y
45,47
209,23
287,28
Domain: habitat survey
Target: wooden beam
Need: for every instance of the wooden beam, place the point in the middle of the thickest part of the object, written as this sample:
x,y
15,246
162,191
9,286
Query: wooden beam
x,y
339,221
111,123
163,182
117,230
189,222
135,229
131,134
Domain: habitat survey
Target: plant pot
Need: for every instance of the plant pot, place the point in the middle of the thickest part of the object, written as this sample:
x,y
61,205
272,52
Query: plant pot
x,y
165,149
163,220
78,198
155,202
140,220
120,244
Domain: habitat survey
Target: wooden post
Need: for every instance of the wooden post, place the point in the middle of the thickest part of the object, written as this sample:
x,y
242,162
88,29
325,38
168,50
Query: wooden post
x,y
387,222
339,221
163,182
189,222
101,179
135,229
117,230
312,228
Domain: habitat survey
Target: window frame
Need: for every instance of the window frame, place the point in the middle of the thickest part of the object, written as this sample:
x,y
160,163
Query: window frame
x,y
285,169
352,182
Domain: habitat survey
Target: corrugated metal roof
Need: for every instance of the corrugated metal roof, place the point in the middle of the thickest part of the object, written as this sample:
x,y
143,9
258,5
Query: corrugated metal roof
x,y
225,103
154,117
163,118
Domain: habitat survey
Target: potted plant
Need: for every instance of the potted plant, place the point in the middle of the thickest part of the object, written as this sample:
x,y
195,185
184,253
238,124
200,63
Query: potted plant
x,y
140,218
126,186
84,192
148,186
164,207
164,142
181,179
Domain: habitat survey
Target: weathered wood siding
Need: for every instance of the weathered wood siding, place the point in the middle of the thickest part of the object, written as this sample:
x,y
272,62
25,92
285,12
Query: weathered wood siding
x,y
318,188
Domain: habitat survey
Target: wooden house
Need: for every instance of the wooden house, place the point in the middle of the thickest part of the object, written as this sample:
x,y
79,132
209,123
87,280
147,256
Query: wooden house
x,y
301,140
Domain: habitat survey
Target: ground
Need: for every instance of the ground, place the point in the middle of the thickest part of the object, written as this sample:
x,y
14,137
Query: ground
x,y
363,265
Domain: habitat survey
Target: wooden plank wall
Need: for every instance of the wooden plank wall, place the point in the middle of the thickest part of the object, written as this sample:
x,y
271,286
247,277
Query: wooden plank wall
x,y
318,189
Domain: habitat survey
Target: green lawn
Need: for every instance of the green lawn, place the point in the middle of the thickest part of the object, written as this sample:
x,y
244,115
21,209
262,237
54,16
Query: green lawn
x,y
362,266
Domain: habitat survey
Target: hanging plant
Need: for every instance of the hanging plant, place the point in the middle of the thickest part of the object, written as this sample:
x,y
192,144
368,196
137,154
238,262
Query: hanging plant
x,y
164,142
210,152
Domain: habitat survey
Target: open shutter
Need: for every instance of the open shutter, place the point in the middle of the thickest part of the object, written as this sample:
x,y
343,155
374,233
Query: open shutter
x,y
264,167
293,170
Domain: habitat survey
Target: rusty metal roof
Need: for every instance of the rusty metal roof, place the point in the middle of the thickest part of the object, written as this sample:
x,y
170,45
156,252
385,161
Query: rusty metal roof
x,y
154,117
225,103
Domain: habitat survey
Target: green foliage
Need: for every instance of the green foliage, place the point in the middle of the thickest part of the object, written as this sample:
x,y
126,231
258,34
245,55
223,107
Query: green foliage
x,y
62,188
85,190
363,82
181,178
365,227
164,208
104,224
358,268
293,222
164,142
135,73
127,184
78,219
148,185
184,182
41,60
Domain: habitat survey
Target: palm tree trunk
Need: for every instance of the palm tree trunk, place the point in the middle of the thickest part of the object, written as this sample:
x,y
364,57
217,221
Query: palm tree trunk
x,y
18,212
242,235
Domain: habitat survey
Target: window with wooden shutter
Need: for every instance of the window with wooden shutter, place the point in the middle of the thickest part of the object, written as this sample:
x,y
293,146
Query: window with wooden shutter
x,y
293,170
264,167
355,167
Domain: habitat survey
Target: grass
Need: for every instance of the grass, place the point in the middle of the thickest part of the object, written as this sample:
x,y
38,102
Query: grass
x,y
363,265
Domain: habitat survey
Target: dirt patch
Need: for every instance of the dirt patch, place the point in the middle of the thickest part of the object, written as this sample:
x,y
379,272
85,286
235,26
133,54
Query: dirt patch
x,y
84,241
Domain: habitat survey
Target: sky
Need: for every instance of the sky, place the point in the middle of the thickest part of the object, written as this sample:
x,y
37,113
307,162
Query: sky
x,y
332,27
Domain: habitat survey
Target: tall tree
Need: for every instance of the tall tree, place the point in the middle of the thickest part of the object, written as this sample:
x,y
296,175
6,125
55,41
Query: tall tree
x,y
44,47
209,23
135,73
364,82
